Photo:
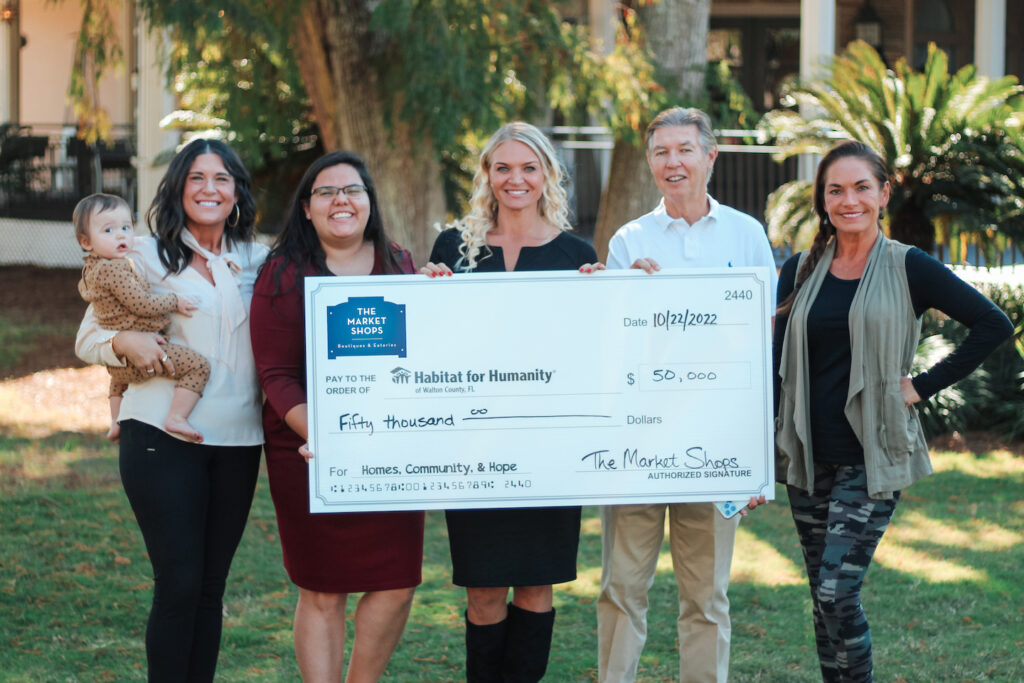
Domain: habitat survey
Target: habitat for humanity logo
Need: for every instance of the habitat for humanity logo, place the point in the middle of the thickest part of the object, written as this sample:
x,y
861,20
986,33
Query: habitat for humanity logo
x,y
400,375
366,326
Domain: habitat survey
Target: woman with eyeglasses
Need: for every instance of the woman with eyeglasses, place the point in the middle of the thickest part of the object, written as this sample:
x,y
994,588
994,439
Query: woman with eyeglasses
x,y
334,227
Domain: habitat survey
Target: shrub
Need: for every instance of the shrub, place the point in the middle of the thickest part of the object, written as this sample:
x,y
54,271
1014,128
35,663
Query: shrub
x,y
953,144
992,398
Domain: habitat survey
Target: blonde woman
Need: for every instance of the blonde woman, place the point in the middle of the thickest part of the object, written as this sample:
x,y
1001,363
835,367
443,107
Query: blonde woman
x,y
518,221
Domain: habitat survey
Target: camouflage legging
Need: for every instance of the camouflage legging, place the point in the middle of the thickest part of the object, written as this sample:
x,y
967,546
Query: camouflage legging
x,y
839,528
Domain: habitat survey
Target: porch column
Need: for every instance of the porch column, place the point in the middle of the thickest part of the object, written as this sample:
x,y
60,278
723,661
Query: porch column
x,y
602,16
155,101
595,164
10,66
817,47
990,37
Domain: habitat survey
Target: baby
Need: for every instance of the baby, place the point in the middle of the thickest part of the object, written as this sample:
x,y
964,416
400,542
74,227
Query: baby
x,y
122,300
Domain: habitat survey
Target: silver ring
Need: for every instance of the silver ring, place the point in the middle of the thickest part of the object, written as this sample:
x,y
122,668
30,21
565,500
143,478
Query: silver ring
x,y
150,371
163,358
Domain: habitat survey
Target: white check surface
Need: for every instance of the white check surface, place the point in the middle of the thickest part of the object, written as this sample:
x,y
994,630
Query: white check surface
x,y
553,388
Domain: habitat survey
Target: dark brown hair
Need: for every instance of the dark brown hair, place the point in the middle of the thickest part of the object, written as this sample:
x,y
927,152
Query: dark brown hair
x,y
841,150
94,203
298,242
166,216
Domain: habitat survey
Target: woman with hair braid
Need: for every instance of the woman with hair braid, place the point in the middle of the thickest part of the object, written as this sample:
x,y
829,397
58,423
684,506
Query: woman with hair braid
x,y
849,438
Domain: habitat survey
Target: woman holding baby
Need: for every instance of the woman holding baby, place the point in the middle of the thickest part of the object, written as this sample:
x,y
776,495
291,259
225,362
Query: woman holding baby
x,y
191,500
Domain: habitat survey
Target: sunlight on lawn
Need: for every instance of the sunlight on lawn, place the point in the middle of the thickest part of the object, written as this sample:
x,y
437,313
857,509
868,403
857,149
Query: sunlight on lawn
x,y
916,527
892,554
756,562
587,583
966,533
998,464
73,400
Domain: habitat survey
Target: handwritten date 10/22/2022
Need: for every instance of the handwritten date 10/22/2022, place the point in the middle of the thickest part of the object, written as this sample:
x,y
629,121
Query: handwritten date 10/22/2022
x,y
674,320
681,320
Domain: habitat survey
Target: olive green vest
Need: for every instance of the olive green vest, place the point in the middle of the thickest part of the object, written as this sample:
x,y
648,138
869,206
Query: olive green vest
x,y
883,339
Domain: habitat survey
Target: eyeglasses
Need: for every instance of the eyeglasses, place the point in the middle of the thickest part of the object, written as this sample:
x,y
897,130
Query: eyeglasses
x,y
330,192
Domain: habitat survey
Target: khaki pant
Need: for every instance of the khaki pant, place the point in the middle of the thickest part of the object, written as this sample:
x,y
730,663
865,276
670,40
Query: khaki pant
x,y
701,543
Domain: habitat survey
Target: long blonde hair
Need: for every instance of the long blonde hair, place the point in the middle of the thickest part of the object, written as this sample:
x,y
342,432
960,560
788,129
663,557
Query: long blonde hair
x,y
483,205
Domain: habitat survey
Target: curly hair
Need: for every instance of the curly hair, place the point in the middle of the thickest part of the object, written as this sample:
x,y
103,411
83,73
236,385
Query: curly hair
x,y
841,150
483,206
166,215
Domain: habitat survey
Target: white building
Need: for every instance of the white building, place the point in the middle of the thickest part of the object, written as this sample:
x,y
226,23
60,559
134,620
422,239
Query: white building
x,y
43,171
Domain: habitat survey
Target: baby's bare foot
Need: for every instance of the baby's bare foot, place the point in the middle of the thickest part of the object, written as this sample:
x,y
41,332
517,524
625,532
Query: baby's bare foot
x,y
114,433
175,424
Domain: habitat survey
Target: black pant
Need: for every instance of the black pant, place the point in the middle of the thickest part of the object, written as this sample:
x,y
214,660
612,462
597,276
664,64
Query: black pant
x,y
191,502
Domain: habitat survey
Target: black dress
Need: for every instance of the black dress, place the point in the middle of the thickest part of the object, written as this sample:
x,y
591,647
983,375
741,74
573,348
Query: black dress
x,y
515,546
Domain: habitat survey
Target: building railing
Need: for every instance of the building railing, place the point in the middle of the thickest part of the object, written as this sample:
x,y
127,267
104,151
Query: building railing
x,y
745,174
45,169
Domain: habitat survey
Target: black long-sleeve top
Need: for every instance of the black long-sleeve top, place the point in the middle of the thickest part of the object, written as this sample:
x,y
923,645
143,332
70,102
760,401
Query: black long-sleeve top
x,y
932,285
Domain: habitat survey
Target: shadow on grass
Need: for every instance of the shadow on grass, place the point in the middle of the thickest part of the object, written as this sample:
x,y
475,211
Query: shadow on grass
x,y
943,595
76,584
60,461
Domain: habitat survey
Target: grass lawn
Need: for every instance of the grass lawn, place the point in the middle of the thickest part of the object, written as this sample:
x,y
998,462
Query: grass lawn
x,y
945,597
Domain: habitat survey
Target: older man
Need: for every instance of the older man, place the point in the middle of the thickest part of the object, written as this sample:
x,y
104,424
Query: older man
x,y
688,229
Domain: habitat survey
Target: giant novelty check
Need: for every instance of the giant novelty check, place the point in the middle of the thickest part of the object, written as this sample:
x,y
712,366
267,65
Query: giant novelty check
x,y
537,389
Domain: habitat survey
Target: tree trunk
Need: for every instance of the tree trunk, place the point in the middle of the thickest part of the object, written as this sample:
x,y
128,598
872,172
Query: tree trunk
x,y
334,48
677,32
911,225
629,193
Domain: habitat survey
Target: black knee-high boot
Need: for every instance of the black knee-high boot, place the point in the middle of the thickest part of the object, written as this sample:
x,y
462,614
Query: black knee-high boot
x,y
485,651
527,645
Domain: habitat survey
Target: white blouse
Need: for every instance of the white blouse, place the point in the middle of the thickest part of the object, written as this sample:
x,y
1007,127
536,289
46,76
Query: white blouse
x,y
228,414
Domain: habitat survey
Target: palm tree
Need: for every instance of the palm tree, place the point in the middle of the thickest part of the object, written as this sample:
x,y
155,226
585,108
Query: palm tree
x,y
953,143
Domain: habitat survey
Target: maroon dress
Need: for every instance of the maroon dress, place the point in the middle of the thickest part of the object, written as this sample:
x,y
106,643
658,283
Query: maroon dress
x,y
347,552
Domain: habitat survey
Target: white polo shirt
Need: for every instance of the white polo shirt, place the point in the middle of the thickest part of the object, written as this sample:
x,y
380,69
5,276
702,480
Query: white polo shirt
x,y
723,238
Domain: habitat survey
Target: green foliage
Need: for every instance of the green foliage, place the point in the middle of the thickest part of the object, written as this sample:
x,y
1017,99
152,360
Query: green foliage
x,y
622,89
953,143
448,66
455,69
728,104
456,65
459,69
992,398
791,218
97,49
233,70
955,407
625,89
